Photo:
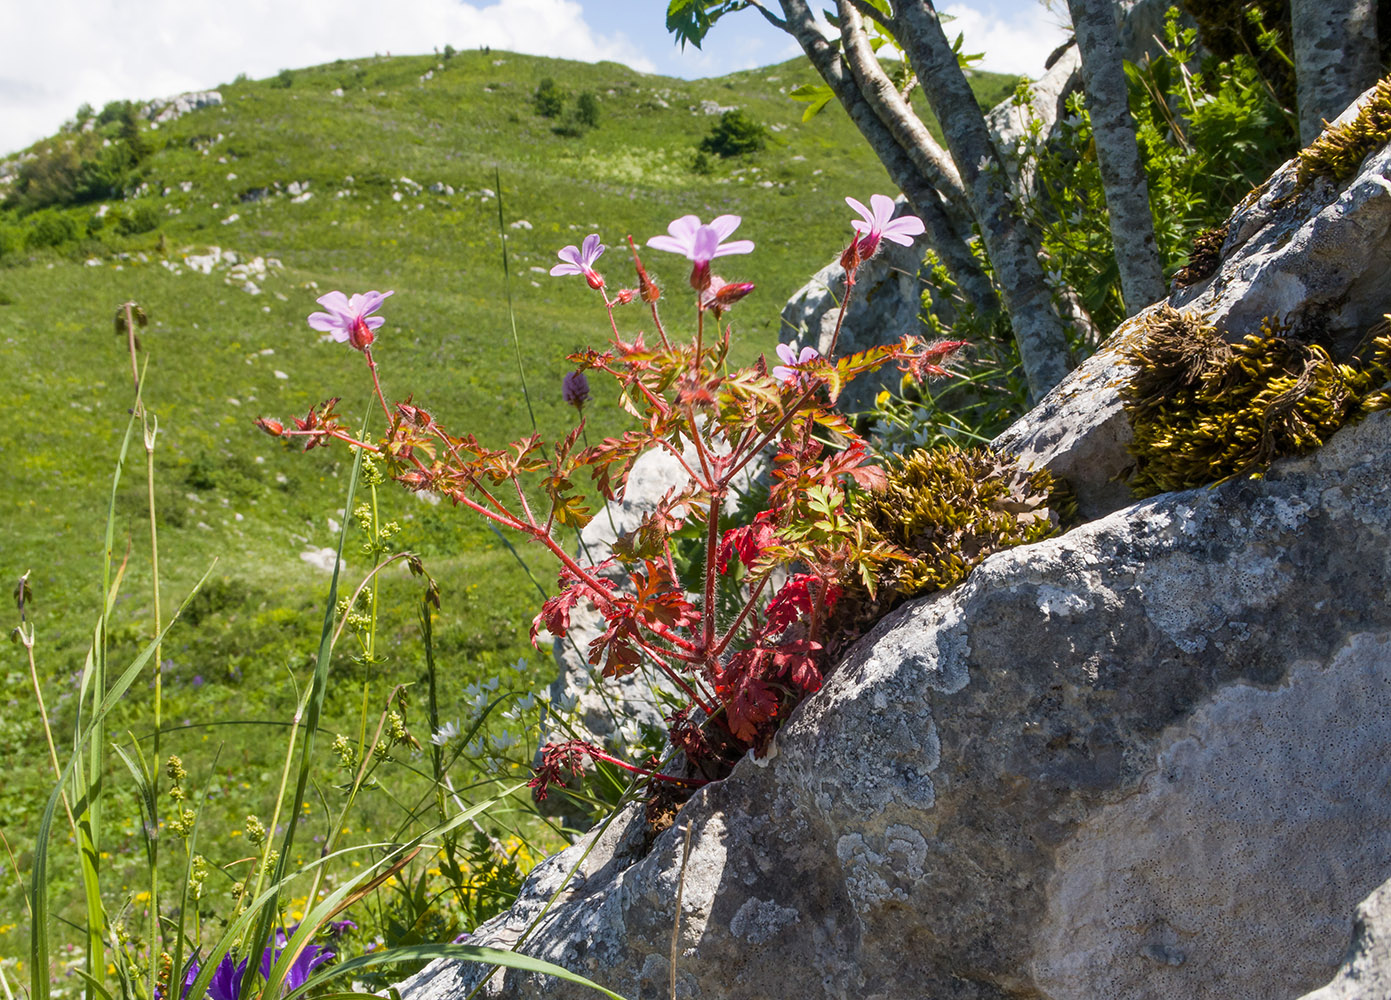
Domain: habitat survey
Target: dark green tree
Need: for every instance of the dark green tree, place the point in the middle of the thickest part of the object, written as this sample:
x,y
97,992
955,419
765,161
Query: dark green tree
x,y
735,134
549,99
587,109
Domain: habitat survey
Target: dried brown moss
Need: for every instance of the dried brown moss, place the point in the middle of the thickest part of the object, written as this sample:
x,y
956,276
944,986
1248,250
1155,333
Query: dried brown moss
x,y
1203,258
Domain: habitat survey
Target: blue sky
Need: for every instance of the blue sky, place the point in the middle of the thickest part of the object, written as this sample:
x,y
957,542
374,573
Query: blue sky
x,y
63,53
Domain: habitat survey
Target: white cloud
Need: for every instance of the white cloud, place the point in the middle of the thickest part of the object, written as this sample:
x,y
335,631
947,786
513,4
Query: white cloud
x,y
1015,37
66,52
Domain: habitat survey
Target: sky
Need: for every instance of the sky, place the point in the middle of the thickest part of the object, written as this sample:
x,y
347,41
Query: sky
x,y
63,53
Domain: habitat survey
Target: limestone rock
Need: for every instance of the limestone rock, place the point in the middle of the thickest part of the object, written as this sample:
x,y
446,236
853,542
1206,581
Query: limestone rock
x,y
167,110
1366,974
1146,759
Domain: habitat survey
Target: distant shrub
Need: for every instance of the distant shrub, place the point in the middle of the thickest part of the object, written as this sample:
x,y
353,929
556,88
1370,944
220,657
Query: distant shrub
x,y
549,99
735,134
587,109
50,229
139,219
702,164
11,242
115,111
449,52
283,79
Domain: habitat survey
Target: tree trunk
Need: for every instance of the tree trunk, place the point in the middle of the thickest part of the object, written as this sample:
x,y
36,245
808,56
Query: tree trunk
x,y
1335,58
942,235
907,128
1118,154
1009,242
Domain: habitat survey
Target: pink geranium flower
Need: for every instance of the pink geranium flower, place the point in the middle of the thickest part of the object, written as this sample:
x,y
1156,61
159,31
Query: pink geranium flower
x,y
790,356
350,319
878,223
580,260
700,244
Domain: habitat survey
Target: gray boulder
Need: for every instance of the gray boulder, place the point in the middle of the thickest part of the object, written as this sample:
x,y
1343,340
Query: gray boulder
x,y
1148,759
171,108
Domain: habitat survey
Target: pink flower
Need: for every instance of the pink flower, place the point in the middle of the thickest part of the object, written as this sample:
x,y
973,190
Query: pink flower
x,y
580,260
789,355
350,319
880,223
700,244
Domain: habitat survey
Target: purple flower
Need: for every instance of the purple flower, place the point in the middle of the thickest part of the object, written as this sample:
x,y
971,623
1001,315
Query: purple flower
x,y
350,319
700,244
574,389
337,928
879,222
789,355
305,962
226,979
580,260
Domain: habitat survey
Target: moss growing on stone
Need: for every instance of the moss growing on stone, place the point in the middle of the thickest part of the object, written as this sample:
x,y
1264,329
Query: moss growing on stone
x,y
1203,410
1203,257
1338,152
948,508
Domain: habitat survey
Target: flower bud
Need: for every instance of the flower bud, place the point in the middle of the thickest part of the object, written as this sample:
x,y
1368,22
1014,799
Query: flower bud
x,y
700,275
574,389
361,335
272,427
626,295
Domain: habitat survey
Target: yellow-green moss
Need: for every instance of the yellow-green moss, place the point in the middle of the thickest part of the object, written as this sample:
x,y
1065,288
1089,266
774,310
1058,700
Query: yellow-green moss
x,y
1203,410
1338,152
948,508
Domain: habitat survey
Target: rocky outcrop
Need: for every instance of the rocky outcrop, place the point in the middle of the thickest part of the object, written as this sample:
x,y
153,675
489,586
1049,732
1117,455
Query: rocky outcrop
x,y
159,112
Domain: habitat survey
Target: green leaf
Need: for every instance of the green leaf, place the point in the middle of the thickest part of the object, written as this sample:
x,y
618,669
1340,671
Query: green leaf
x,y
816,95
463,952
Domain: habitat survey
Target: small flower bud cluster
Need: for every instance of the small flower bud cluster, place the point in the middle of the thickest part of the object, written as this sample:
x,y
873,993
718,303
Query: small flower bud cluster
x,y
345,751
356,620
255,831
197,875
183,823
174,768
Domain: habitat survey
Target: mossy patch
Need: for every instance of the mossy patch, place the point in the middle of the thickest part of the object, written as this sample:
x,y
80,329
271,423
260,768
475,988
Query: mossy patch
x,y
1338,152
1203,257
1204,410
946,509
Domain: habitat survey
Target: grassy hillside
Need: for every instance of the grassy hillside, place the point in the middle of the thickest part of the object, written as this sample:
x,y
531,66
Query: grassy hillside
x,y
373,173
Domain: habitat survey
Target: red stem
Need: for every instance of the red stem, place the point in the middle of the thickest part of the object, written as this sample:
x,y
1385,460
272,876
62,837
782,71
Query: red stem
x,y
598,754
752,602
